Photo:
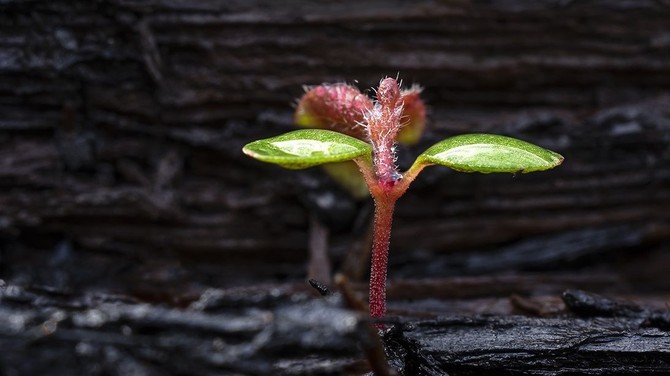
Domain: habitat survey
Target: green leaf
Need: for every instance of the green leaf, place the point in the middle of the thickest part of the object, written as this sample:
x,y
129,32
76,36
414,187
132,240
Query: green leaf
x,y
488,153
306,148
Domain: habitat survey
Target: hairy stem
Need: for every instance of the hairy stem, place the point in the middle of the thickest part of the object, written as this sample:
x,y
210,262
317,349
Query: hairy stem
x,y
382,235
385,195
385,182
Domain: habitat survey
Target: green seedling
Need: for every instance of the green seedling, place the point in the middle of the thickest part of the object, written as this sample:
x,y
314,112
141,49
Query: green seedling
x,y
369,139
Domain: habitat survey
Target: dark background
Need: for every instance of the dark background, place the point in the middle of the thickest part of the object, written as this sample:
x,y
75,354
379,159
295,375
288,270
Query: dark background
x,y
122,123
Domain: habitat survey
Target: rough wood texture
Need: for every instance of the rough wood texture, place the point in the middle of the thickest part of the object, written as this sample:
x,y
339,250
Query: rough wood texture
x,y
610,338
121,124
48,332
282,331
532,346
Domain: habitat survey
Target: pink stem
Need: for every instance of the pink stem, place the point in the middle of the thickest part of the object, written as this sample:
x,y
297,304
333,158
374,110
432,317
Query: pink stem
x,y
385,195
382,235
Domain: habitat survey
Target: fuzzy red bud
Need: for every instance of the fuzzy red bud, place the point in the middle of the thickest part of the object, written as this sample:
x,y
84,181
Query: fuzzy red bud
x,y
338,107
388,92
413,116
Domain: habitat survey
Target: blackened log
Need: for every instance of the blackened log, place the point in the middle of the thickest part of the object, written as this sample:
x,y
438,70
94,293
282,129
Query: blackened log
x,y
489,345
46,332
282,330
606,336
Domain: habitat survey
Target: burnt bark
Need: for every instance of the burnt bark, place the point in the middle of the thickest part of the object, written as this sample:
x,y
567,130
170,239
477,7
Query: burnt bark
x,y
50,332
285,331
609,337
531,346
121,125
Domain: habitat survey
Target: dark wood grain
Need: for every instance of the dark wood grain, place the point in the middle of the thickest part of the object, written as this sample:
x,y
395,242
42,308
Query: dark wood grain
x,y
609,337
121,125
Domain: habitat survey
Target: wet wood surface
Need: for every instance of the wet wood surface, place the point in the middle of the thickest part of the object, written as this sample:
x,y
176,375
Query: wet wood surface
x,y
121,125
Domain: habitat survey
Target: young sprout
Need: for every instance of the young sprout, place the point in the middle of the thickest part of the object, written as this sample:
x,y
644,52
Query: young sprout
x,y
368,138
